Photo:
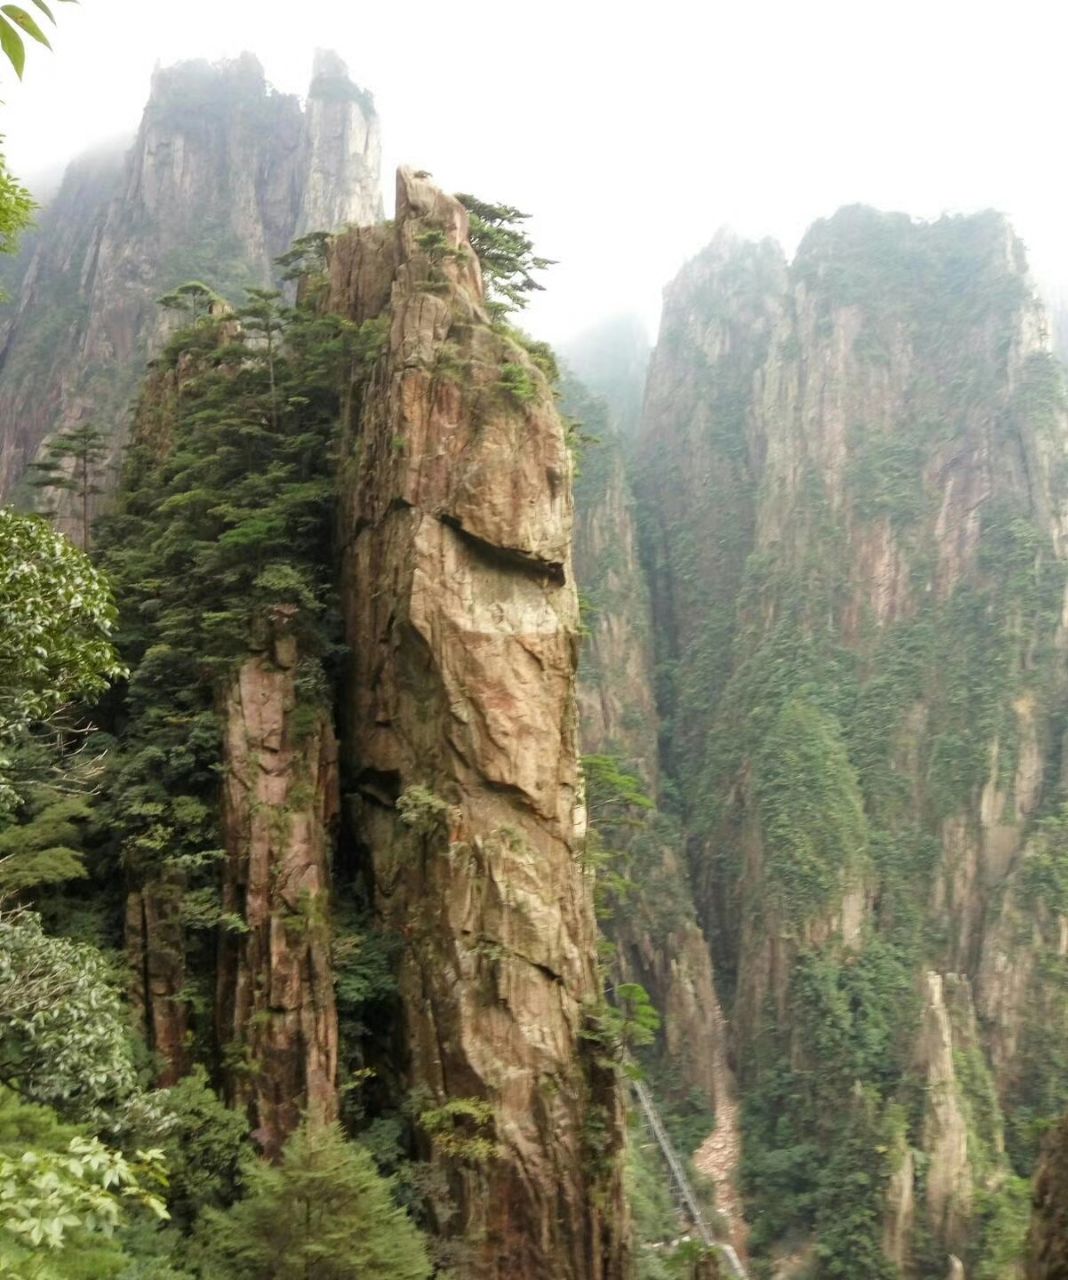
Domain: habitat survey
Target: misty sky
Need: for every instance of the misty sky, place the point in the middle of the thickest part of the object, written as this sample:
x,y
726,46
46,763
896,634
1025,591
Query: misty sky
x,y
631,132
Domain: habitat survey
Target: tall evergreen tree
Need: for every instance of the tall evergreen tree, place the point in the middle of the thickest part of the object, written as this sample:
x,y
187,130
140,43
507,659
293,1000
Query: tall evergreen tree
x,y
324,1213
73,462
224,523
193,299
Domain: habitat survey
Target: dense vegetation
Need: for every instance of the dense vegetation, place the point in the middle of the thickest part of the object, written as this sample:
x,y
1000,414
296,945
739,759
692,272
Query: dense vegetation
x,y
223,524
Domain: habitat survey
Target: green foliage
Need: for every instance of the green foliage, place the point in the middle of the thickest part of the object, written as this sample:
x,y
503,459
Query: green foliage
x,y
811,811
423,812
461,1129
850,1198
505,252
517,381
64,1196
365,985
16,210
1044,874
324,1211
16,21
363,964
218,542
622,832
1004,1216
854,1017
44,848
63,1032
619,1026
202,1144
194,299
306,258
885,475
72,462
648,1191
940,277
613,792
686,1111
56,624
434,243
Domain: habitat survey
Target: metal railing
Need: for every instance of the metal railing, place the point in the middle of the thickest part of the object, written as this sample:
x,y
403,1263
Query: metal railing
x,y
683,1188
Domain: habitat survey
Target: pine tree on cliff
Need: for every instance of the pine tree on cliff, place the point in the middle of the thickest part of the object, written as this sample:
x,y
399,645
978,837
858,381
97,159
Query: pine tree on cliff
x,y
73,463
505,253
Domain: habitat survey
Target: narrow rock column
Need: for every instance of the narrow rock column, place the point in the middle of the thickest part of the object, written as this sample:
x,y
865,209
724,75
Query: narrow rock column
x,y
462,618
275,1000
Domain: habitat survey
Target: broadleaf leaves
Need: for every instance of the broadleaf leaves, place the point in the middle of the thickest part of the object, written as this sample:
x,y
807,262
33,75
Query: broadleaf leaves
x,y
14,19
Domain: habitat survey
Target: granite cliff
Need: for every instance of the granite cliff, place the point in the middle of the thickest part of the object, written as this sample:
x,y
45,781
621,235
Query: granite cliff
x,y
850,476
222,175
359,702
843,626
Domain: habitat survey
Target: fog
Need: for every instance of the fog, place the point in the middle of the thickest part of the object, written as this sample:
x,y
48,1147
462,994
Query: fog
x,y
629,132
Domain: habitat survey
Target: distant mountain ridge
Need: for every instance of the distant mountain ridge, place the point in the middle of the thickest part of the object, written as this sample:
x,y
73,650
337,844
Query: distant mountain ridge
x,y
223,173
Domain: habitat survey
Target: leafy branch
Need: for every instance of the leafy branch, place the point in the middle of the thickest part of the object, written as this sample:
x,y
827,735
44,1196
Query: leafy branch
x,y
14,20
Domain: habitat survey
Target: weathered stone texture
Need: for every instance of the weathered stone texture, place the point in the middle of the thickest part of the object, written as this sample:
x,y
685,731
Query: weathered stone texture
x,y
461,615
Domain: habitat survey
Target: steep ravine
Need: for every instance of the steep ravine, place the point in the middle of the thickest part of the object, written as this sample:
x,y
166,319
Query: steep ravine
x,y
654,928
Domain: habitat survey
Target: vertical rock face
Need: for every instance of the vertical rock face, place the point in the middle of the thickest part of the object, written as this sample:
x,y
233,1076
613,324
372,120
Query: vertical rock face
x,y
462,618
155,951
616,679
48,311
342,151
275,997
852,486
222,175
699,455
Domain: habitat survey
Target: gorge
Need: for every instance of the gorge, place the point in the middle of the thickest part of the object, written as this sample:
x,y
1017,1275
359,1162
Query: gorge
x,y
495,730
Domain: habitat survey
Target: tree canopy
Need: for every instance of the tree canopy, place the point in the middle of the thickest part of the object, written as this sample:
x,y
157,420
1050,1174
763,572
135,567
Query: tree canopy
x,y
324,1211
505,252
64,1036
64,1197
56,623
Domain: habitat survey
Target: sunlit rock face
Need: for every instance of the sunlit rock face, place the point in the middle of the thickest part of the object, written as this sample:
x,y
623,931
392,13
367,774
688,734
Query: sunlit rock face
x,y
224,172
851,486
444,775
462,740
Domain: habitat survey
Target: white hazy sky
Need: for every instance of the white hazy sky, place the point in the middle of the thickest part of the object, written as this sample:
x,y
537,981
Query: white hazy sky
x,y
630,131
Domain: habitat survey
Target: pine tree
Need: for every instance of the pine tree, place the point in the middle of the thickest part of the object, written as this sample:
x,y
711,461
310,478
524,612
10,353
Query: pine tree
x,y
324,1213
264,319
505,253
194,299
73,462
